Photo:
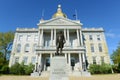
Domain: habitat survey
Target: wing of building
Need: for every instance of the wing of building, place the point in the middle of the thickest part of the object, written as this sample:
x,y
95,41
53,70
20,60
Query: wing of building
x,y
38,45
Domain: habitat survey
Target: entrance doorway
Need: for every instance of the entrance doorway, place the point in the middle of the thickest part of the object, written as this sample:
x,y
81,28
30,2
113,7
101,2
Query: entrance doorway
x,y
74,61
45,62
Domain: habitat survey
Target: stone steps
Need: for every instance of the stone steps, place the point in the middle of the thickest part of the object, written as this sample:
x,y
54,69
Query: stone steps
x,y
45,73
80,73
71,73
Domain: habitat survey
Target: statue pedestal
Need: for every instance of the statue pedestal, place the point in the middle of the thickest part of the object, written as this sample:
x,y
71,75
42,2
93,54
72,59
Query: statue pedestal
x,y
58,68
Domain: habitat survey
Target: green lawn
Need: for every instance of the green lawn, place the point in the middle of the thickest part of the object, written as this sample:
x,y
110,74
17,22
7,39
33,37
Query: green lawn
x,y
93,77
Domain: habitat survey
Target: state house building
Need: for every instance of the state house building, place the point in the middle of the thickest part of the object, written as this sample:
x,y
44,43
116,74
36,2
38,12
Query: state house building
x,y
38,45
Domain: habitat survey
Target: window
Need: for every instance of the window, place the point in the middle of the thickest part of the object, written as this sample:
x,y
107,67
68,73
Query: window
x,y
36,38
90,37
92,47
27,48
28,37
94,60
98,37
71,43
25,60
33,60
16,59
102,59
47,43
34,47
100,47
18,48
20,37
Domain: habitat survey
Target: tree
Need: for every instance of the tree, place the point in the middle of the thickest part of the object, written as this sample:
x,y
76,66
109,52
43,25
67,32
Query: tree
x,y
5,39
116,59
116,55
4,69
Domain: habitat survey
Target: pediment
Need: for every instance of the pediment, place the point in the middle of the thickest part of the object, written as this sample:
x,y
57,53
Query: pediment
x,y
60,21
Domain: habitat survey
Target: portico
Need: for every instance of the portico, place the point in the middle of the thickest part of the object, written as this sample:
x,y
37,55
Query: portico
x,y
73,46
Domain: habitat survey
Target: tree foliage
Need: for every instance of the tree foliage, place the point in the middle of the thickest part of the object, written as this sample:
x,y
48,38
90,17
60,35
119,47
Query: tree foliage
x,y
116,55
5,38
4,69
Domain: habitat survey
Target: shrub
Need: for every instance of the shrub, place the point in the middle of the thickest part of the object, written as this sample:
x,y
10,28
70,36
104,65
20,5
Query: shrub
x,y
5,69
100,69
21,69
17,69
28,69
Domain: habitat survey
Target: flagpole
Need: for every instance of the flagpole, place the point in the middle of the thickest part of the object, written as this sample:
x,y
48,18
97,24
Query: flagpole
x,y
42,13
76,14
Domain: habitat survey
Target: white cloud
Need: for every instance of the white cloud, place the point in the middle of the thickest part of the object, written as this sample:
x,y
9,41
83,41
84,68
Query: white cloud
x,y
111,35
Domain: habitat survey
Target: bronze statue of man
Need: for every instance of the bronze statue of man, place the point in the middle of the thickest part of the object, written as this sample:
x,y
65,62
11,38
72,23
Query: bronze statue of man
x,y
60,41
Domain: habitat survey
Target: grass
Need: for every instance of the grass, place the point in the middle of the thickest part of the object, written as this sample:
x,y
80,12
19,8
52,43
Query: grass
x,y
93,77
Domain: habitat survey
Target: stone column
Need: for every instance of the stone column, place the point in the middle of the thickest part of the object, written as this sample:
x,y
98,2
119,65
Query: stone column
x,y
65,34
80,61
36,63
84,63
66,55
78,38
54,37
69,59
36,58
51,37
39,38
51,56
39,59
68,38
81,38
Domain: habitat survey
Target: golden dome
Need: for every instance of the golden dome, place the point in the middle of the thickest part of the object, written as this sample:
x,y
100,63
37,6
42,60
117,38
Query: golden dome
x,y
59,13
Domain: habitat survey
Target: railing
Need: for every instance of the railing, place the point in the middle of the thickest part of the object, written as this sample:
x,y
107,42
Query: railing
x,y
54,47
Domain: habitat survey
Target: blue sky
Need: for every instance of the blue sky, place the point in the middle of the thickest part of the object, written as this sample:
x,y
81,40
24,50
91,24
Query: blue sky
x,y
92,13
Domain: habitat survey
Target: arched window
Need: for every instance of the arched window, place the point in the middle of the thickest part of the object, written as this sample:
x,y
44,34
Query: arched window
x,y
34,47
25,60
100,47
98,37
102,59
28,37
92,47
94,59
27,48
18,48
33,59
90,37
